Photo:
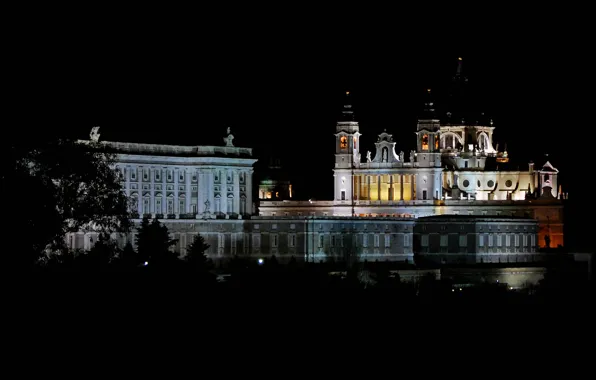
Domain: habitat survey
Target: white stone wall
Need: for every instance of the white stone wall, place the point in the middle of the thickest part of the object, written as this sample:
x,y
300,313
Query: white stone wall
x,y
174,186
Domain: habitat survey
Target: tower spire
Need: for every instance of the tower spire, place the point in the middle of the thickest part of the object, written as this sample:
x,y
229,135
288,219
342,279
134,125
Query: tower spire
x,y
459,67
347,113
428,112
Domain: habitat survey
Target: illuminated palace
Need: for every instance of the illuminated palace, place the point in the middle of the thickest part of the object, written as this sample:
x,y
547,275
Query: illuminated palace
x,y
455,170
452,199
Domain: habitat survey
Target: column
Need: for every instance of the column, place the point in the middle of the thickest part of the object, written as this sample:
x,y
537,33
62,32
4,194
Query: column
x,y
176,189
126,172
152,190
378,187
368,187
201,191
139,192
412,182
357,180
209,187
164,199
187,193
236,201
248,183
401,187
223,191
391,195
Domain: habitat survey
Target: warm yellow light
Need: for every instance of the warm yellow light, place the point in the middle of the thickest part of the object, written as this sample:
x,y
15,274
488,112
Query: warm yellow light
x,y
428,90
347,92
459,58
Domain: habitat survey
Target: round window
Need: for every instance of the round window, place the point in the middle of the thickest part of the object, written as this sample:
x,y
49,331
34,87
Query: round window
x,y
490,183
466,183
478,183
508,183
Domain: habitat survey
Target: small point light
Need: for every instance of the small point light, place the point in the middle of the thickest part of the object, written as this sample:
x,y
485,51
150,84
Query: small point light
x,y
347,92
260,261
459,59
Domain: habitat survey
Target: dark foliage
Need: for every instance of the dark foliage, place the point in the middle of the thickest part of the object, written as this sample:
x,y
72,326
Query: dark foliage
x,y
66,186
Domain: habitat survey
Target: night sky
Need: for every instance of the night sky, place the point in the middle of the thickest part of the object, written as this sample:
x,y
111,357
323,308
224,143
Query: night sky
x,y
279,84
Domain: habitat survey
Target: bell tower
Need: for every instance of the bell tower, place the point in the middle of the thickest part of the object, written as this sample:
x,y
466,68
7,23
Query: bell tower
x,y
428,152
347,151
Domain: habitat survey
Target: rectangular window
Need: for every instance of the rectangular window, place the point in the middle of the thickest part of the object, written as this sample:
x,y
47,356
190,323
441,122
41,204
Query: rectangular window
x,y
490,240
146,206
406,240
332,240
463,240
516,240
274,240
233,243
320,241
499,240
365,240
481,240
387,241
533,240
245,243
525,240
158,209
507,240
133,174
181,206
444,239
377,240
220,243
343,195
292,240
169,175
256,242
424,194
181,176
424,241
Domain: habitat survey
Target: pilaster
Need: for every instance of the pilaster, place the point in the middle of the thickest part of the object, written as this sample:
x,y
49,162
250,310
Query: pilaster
x,y
236,200
176,189
152,190
248,176
188,175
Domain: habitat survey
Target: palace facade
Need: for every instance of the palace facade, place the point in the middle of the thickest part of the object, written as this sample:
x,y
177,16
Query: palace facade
x,y
452,199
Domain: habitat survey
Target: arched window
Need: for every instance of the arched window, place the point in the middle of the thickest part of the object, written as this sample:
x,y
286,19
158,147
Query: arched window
x,y
343,142
424,142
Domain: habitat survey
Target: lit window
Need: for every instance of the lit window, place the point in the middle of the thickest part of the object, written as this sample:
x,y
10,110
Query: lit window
x,y
425,142
343,142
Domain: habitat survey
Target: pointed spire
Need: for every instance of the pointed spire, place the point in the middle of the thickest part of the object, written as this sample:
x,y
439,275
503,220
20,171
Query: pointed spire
x,y
428,112
347,113
459,67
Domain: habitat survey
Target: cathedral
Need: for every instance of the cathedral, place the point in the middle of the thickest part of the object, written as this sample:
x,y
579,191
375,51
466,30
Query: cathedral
x,y
452,199
456,169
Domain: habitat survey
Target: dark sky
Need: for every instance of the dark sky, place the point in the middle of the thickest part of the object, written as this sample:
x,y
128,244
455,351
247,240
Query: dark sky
x,y
278,81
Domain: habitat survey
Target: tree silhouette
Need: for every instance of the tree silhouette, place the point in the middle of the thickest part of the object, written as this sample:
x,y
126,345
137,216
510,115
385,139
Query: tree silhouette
x,y
128,257
153,243
196,253
66,186
101,254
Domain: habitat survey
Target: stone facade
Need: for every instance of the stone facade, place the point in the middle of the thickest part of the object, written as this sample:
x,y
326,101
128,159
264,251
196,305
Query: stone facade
x,y
455,170
450,239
